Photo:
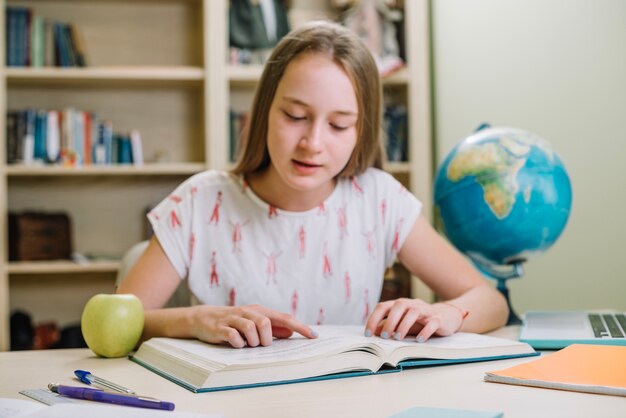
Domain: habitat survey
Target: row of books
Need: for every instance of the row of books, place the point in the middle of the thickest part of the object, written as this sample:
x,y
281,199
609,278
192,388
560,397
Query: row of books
x,y
395,125
238,121
33,41
69,137
244,56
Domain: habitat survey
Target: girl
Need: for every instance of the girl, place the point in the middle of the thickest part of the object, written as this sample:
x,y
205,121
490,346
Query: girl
x,y
303,228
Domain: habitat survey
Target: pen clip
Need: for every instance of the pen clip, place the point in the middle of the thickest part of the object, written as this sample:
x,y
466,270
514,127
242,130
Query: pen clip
x,y
82,376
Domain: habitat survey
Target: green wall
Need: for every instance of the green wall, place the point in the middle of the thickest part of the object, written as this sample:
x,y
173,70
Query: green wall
x,y
556,68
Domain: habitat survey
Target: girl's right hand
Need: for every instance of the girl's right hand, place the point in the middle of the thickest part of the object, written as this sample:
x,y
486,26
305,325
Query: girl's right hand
x,y
251,325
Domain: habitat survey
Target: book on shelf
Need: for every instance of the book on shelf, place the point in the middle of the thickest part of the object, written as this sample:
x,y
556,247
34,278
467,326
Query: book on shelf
x,y
238,122
395,123
137,147
578,367
124,150
34,41
48,43
37,41
69,137
339,351
53,140
28,146
17,23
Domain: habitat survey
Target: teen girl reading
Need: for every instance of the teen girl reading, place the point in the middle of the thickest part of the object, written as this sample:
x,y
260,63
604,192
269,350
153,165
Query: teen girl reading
x,y
302,230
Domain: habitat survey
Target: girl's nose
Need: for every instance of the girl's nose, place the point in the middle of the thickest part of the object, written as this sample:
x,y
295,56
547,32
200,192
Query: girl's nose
x,y
312,139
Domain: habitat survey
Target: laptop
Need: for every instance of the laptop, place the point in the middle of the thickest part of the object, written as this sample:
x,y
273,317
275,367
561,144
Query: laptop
x,y
558,329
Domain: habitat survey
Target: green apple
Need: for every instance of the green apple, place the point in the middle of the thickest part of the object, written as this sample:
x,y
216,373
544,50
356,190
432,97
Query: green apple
x,y
112,324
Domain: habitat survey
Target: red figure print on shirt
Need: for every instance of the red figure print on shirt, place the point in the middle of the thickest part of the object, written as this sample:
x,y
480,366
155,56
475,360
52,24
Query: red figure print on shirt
x,y
396,236
194,190
192,244
155,216
215,280
355,185
342,221
320,317
237,235
326,269
302,241
174,219
383,210
175,198
231,296
370,243
366,299
215,215
346,283
270,267
272,212
294,303
321,209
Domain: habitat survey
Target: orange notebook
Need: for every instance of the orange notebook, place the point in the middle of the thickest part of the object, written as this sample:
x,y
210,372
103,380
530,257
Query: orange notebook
x,y
578,367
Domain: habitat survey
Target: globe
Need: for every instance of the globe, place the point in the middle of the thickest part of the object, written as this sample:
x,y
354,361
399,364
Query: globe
x,y
502,195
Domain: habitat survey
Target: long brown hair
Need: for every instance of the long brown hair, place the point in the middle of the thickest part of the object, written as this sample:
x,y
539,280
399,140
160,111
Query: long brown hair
x,y
345,48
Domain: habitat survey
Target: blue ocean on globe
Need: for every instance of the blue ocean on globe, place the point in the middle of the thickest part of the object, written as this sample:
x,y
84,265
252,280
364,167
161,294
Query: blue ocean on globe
x,y
502,194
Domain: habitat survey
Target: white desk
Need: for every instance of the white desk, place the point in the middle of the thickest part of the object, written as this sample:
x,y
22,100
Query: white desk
x,y
454,386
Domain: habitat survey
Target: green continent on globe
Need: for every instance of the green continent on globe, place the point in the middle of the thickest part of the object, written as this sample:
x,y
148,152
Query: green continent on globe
x,y
502,194
495,166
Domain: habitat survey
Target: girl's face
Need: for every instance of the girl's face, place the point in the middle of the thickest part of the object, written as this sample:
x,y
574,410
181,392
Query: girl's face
x,y
312,125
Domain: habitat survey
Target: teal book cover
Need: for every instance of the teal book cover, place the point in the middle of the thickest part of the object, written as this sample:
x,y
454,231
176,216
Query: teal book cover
x,y
338,352
426,412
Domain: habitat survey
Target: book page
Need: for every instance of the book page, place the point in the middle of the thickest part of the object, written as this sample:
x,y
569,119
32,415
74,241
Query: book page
x,y
457,346
459,342
97,410
14,408
331,340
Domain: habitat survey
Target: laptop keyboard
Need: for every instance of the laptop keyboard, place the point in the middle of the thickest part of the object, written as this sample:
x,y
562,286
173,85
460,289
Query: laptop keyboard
x,y
608,325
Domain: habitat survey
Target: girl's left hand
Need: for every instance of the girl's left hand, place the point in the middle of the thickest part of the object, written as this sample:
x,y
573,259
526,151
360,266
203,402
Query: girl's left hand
x,y
401,317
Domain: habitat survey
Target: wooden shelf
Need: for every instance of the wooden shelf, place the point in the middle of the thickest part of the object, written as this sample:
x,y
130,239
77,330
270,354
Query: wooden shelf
x,y
246,75
158,66
399,78
112,170
104,75
397,167
61,267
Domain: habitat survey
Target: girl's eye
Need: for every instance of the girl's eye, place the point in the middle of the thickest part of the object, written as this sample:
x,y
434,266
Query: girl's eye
x,y
294,117
338,127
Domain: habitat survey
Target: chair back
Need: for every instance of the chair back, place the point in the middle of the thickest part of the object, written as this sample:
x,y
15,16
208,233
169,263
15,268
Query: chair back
x,y
181,296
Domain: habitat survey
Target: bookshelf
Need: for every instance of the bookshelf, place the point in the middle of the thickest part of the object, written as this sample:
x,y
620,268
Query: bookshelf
x,y
159,66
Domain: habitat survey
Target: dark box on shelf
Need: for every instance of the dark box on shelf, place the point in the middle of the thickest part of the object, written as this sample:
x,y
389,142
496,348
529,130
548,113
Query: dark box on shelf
x,y
39,236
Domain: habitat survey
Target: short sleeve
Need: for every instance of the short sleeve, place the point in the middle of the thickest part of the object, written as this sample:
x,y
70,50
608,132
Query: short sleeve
x,y
403,209
172,222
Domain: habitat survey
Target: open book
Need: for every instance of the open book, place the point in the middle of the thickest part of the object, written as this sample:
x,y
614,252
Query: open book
x,y
339,351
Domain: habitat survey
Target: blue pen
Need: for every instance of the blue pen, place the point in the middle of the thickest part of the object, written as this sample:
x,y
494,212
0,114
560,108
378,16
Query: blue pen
x,y
99,395
88,378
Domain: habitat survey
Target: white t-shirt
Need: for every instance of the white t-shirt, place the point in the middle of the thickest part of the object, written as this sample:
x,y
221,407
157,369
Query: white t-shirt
x,y
324,265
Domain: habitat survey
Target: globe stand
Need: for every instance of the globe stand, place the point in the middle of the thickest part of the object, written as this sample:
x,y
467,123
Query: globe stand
x,y
502,274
